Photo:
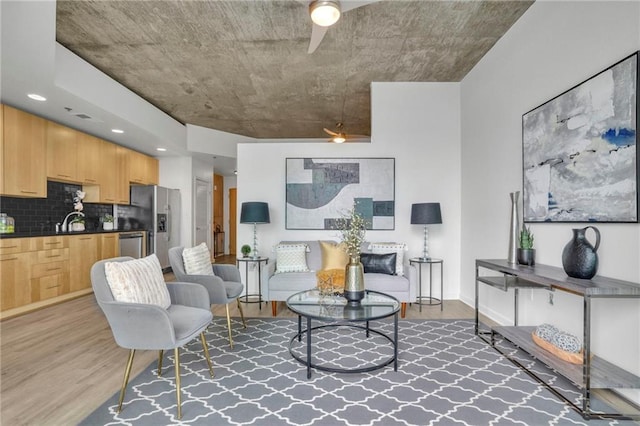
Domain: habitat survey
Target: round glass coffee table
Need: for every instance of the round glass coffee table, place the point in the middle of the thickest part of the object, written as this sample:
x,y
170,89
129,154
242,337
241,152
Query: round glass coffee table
x,y
344,322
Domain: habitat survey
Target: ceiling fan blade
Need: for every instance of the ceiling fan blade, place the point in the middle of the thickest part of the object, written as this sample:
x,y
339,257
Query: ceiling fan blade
x,y
347,5
317,34
329,132
350,136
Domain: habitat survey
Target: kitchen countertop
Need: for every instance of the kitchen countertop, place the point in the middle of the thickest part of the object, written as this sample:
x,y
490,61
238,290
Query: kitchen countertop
x,y
53,233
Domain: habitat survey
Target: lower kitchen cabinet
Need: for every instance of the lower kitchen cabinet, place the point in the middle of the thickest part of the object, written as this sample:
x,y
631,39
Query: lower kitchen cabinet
x,y
84,252
15,277
39,271
109,246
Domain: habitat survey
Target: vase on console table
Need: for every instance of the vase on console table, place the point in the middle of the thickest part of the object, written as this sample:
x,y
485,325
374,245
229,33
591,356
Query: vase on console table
x,y
579,257
513,229
354,281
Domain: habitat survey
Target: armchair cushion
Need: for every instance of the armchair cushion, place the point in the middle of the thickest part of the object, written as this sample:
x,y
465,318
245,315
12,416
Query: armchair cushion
x,y
291,258
138,281
197,260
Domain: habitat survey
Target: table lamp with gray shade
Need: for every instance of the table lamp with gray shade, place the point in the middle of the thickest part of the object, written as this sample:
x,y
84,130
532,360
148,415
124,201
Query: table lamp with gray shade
x,y
425,214
255,212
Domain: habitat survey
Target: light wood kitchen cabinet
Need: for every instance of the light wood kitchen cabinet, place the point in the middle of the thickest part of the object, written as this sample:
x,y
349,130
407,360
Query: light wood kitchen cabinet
x,y
106,189
143,169
24,154
15,280
62,153
84,251
1,147
109,246
122,176
89,161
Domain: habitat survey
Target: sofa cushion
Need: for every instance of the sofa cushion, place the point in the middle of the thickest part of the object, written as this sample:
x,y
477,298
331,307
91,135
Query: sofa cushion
x,y
291,258
333,255
138,281
379,263
293,281
398,248
197,260
386,283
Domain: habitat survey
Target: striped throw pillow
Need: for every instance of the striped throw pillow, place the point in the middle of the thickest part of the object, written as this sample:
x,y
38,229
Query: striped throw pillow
x,y
138,281
197,260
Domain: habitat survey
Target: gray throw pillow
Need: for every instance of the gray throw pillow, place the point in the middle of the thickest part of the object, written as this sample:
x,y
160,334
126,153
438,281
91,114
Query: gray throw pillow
x,y
379,263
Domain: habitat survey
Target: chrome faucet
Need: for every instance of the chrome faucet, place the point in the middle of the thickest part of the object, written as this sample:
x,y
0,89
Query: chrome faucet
x,y
64,222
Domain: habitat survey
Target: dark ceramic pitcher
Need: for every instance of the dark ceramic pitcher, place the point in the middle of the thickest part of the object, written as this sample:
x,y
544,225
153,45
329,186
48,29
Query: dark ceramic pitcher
x,y
579,257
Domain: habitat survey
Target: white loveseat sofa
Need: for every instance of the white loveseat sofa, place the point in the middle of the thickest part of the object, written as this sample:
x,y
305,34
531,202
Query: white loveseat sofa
x,y
278,287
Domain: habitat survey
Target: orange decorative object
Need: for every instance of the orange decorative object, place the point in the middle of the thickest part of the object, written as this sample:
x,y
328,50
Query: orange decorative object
x,y
572,357
331,277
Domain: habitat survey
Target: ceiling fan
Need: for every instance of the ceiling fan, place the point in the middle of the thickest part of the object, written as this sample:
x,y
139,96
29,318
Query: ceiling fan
x,y
339,136
325,13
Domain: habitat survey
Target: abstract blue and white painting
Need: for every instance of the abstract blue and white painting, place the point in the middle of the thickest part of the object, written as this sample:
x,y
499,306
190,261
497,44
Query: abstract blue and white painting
x,y
320,191
580,155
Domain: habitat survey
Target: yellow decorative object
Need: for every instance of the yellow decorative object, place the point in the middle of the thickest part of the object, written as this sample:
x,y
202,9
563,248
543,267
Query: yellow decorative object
x,y
334,256
331,277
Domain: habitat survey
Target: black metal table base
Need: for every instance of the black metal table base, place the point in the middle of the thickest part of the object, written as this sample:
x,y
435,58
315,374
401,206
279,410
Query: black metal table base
x,y
307,359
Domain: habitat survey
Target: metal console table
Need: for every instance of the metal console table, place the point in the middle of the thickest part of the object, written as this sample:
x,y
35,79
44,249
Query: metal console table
x,y
595,372
258,261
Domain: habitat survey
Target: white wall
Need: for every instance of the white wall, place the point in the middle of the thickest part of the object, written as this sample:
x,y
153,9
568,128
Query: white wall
x,y
554,46
416,123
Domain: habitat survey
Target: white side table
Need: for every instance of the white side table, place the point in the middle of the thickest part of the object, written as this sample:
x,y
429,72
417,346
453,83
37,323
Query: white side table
x,y
258,261
430,300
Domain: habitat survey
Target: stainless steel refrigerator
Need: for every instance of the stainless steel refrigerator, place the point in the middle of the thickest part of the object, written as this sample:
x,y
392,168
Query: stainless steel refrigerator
x,y
157,210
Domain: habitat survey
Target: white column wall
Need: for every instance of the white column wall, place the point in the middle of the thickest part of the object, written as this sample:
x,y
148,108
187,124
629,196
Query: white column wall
x,y
418,124
554,46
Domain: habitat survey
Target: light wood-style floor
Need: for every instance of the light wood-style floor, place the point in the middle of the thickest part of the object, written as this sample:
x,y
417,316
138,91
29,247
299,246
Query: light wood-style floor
x,y
60,363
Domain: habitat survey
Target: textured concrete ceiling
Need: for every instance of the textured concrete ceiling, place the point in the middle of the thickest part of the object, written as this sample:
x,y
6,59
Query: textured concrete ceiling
x,y
242,66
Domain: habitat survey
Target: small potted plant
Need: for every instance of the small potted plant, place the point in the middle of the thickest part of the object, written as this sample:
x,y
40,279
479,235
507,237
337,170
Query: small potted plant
x,y
107,222
526,252
77,224
245,250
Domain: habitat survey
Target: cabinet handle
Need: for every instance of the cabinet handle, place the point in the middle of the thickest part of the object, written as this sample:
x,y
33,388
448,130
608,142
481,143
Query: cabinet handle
x,y
86,238
53,255
50,244
9,247
9,258
63,175
90,180
53,286
110,199
28,192
53,269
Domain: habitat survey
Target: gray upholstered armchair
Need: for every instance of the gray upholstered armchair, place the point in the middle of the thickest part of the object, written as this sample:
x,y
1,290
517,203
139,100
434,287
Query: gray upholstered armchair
x,y
223,287
150,327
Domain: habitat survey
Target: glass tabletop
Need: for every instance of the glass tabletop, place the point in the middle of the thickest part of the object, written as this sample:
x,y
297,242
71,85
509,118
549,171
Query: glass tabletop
x,y
332,307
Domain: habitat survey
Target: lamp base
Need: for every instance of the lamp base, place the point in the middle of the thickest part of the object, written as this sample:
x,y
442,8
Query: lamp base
x,y
424,259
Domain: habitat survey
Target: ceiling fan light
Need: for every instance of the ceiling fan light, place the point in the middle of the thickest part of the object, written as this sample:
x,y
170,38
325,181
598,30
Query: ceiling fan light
x,y
324,12
339,138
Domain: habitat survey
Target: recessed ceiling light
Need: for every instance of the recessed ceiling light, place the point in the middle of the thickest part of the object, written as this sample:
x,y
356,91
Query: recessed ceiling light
x,y
117,131
161,149
37,97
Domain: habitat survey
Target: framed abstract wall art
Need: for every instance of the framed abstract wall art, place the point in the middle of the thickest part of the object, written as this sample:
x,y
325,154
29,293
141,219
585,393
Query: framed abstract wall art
x,y
580,156
321,190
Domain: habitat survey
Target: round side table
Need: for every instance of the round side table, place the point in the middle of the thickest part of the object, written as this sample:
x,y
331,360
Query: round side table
x,y
429,300
258,261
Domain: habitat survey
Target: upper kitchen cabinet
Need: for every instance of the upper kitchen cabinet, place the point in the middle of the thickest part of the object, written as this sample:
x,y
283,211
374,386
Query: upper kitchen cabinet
x,y
62,153
89,161
143,169
24,154
122,179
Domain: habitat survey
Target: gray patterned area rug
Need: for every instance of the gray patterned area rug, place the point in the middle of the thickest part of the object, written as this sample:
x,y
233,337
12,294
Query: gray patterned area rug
x,y
446,375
